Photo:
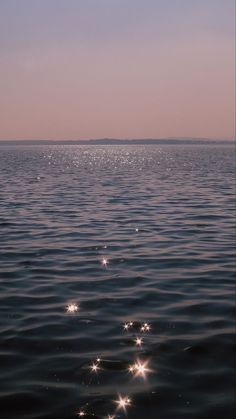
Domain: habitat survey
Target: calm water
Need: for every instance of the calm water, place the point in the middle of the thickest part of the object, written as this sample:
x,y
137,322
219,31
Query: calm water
x,y
163,218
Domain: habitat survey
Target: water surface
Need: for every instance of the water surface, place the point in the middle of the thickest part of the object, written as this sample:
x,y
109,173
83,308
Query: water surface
x,y
163,218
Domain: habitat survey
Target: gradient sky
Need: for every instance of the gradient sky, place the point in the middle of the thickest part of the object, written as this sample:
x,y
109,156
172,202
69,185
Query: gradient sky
x,y
77,69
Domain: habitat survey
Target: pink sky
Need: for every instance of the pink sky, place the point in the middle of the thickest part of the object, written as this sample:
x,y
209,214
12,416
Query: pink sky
x,y
144,71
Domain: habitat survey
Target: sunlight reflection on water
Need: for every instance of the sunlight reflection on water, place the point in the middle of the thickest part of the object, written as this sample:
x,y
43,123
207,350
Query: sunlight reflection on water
x,y
117,281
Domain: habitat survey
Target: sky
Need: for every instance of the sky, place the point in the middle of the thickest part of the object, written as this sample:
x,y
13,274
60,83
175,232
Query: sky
x,y
81,69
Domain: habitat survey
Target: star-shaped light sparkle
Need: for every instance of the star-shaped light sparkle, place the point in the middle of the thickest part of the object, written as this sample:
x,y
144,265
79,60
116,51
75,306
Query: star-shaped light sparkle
x,y
94,368
139,369
145,327
127,325
104,262
72,308
132,368
123,402
138,341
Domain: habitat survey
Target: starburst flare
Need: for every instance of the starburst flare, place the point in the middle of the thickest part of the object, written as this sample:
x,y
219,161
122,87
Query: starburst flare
x,y
145,327
72,308
104,262
139,369
123,402
138,341
94,368
127,325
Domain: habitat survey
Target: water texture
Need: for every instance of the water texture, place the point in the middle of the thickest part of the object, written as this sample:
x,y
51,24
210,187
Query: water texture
x,y
140,234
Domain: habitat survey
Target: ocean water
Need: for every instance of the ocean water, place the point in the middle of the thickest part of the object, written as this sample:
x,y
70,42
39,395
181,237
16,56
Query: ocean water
x,y
96,242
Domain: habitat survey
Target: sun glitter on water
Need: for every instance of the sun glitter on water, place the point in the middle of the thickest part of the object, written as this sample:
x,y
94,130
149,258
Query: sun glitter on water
x,y
126,326
72,308
104,262
123,403
138,341
139,369
94,368
145,327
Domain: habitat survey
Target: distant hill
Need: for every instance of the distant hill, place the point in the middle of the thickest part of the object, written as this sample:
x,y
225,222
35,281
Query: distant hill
x,y
116,141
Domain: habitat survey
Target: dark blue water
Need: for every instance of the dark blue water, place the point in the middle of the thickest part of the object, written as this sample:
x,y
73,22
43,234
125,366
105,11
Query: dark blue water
x,y
163,218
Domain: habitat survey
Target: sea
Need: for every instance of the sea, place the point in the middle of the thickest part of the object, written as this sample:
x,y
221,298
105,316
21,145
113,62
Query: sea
x,y
117,281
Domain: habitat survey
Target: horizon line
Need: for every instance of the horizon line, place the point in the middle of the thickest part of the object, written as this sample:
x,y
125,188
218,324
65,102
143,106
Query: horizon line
x,y
122,139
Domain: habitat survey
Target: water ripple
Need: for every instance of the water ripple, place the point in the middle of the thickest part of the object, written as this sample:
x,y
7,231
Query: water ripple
x,y
163,220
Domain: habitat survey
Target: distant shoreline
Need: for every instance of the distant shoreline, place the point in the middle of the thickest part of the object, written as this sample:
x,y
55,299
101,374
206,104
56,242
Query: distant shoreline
x,y
107,141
